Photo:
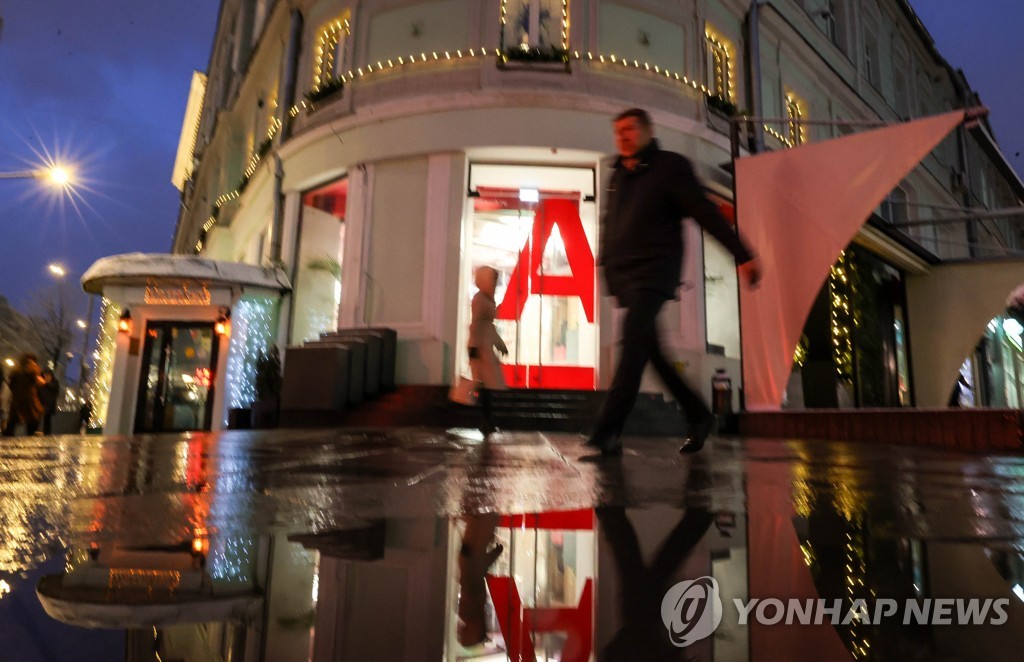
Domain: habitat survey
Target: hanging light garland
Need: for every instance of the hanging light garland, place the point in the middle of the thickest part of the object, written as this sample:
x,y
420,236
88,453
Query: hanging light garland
x,y
459,55
330,35
253,323
841,289
102,374
722,65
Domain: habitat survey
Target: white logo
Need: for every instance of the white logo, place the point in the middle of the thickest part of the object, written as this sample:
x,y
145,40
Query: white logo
x,y
691,610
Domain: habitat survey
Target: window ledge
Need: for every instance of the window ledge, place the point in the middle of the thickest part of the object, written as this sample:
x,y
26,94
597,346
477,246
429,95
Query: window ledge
x,y
528,65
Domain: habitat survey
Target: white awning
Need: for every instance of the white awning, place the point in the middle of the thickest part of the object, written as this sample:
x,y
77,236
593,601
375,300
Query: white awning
x,y
139,269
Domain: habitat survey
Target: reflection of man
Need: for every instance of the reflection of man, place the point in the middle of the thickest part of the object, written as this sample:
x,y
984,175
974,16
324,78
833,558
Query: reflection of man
x,y
650,192
478,552
642,587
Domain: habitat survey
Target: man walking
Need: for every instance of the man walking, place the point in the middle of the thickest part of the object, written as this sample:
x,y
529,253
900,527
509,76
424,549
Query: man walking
x,y
650,193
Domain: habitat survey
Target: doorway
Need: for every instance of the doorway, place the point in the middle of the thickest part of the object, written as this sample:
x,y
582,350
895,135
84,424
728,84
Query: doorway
x,y
176,383
537,226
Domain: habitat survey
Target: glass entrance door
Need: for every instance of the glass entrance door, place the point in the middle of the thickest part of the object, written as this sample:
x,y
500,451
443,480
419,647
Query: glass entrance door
x,y
537,226
176,385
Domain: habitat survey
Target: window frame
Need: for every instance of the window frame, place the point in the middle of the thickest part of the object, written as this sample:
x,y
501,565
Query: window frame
x,y
329,63
719,84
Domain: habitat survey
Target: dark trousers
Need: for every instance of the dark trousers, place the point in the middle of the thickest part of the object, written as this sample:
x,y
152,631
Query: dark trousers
x,y
30,426
640,344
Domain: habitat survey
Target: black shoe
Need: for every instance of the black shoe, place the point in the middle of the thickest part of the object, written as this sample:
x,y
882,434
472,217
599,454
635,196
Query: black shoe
x,y
609,443
697,435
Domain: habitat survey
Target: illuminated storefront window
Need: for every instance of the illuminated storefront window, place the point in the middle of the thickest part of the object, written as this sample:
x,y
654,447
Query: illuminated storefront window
x,y
537,226
721,293
317,284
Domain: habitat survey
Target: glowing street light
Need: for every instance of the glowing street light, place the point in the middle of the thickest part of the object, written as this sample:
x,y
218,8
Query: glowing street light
x,y
59,176
81,324
57,270
55,175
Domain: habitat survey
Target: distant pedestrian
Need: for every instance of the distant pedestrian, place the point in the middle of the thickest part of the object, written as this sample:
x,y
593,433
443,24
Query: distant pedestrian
x,y
84,416
26,409
49,393
5,399
484,365
650,193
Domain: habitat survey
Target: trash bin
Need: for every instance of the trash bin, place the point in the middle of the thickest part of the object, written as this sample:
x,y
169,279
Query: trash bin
x,y
721,393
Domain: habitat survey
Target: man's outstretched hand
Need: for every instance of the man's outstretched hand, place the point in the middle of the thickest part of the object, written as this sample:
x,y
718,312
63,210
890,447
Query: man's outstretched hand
x,y
750,272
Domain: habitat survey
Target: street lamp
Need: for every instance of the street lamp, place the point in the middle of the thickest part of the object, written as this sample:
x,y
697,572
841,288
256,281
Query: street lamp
x,y
57,270
55,175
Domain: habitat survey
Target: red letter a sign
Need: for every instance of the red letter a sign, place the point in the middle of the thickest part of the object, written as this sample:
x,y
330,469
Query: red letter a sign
x,y
527,278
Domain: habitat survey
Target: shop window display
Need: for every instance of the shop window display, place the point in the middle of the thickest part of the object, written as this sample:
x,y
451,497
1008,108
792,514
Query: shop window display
x,y
320,251
541,241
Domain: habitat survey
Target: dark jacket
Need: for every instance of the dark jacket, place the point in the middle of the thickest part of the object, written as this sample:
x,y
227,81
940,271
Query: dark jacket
x,y
642,239
48,393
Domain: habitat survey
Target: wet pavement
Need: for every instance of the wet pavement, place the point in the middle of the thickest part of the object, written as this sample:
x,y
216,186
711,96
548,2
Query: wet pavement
x,y
418,544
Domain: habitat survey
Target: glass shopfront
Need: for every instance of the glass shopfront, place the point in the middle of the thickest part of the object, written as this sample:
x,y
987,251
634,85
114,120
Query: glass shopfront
x,y
176,385
320,251
537,225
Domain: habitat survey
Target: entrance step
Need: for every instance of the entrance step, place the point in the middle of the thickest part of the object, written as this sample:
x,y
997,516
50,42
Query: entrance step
x,y
514,409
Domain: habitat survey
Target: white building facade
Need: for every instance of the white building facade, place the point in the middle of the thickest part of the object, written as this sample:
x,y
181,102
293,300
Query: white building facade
x,y
380,150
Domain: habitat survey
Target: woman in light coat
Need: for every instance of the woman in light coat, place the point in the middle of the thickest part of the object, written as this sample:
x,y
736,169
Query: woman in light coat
x,y
484,364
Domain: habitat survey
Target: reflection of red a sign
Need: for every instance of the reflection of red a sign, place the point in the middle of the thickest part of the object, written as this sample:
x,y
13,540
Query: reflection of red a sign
x,y
518,623
527,278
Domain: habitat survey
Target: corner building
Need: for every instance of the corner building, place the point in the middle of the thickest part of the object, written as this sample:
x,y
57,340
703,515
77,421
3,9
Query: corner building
x,y
380,150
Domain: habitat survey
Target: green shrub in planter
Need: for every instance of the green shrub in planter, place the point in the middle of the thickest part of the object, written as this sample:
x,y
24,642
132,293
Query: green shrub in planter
x,y
326,89
724,106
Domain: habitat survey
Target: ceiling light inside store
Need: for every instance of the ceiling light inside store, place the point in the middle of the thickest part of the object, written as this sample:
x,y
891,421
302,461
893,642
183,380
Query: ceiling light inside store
x,y
529,195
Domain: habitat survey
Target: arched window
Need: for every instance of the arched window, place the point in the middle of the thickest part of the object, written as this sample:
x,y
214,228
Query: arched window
x,y
721,68
330,51
795,112
535,24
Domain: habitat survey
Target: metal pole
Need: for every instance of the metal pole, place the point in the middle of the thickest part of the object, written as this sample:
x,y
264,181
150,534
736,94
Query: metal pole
x,y
753,27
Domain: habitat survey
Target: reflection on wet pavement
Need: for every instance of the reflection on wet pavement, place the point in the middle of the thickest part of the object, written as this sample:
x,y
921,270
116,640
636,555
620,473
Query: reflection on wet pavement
x,y
415,544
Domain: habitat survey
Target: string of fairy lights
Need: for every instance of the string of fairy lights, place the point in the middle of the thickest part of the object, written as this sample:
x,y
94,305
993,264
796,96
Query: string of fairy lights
x,y
841,289
327,48
722,64
325,64
795,113
847,501
103,366
253,323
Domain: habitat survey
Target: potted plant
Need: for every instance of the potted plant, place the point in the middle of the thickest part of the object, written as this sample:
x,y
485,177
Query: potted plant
x,y
326,89
720,111
268,390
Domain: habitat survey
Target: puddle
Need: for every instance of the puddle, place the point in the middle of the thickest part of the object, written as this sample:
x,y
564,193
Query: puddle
x,y
421,545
